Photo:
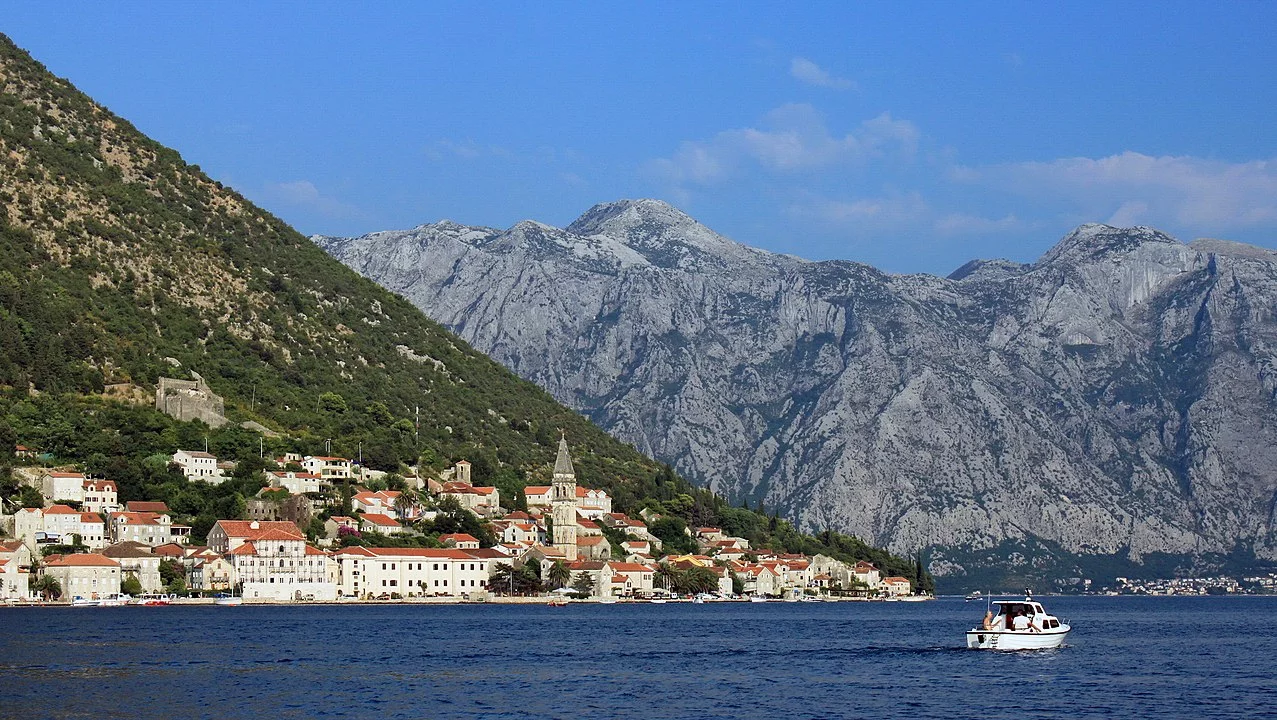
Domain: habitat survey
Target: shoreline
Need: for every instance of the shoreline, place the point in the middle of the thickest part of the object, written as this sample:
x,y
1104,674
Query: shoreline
x,y
499,600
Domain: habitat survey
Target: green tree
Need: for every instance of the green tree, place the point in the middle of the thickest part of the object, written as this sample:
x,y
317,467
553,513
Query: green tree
x,y
583,585
331,403
170,571
130,585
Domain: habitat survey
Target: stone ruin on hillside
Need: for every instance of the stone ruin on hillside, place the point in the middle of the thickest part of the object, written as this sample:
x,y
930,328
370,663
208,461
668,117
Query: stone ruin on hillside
x,y
190,400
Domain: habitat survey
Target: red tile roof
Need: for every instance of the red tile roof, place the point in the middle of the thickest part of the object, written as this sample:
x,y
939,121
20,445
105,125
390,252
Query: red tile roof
x,y
146,506
80,560
381,520
244,528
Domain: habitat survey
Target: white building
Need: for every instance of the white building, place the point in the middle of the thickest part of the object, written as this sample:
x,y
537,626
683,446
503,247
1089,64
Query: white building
x,y
381,502
147,528
199,466
296,483
328,468
379,523
100,496
63,487
136,559
87,575
412,572
279,565
56,525
227,535
13,581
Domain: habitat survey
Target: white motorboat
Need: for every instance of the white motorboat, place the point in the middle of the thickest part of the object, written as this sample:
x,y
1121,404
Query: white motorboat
x,y
974,595
758,598
1017,625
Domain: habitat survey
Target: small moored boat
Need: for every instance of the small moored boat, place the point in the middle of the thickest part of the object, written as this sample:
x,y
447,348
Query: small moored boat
x,y
1017,625
975,595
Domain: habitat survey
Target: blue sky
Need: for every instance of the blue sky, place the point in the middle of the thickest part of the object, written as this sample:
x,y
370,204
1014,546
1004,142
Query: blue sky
x,y
911,137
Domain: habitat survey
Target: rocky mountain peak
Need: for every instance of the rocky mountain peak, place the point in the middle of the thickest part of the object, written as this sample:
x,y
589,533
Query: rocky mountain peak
x,y
1095,241
625,218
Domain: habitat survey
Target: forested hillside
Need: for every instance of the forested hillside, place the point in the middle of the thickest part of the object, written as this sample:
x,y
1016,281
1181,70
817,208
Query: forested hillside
x,y
120,263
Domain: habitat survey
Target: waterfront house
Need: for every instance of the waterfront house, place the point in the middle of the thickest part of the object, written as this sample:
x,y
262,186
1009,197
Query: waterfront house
x,y
136,559
227,535
895,586
279,565
14,584
86,575
412,572
211,575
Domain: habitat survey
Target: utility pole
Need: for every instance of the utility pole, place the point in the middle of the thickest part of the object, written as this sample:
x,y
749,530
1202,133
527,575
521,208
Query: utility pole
x,y
417,438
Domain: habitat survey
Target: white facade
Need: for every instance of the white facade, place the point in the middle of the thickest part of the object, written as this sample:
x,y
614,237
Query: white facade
x,y
63,486
100,496
328,468
296,483
411,572
55,525
13,581
227,535
280,566
199,466
142,527
86,576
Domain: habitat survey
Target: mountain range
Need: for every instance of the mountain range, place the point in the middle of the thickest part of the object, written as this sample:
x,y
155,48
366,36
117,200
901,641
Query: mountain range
x,y
1112,406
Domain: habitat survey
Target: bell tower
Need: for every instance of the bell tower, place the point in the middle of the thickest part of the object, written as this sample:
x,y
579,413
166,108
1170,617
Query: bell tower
x,y
563,502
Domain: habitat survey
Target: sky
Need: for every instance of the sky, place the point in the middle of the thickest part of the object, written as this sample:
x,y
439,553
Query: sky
x,y
913,137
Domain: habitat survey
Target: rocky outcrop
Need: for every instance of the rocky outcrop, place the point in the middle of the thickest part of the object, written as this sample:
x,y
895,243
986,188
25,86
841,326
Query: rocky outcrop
x,y
1115,397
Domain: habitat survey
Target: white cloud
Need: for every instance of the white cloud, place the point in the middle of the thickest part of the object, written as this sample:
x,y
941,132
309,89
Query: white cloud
x,y
806,71
303,194
964,224
887,210
1194,193
465,150
794,137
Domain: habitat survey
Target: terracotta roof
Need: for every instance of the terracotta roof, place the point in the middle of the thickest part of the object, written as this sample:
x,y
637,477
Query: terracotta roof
x,y
146,506
630,567
485,553
244,528
587,565
381,520
591,540
518,515
197,454
128,550
589,524
275,534
88,517
328,459
536,490
137,518
80,560
62,475
458,537
247,548
60,510
99,485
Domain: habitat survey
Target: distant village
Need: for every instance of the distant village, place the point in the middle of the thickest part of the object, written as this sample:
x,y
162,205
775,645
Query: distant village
x,y
83,546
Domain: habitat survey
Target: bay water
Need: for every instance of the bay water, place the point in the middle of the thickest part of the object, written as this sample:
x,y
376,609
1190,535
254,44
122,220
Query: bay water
x,y
1127,657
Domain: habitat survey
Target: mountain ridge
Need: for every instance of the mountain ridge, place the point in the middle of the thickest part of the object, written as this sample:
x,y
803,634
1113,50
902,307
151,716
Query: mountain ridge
x,y
1093,362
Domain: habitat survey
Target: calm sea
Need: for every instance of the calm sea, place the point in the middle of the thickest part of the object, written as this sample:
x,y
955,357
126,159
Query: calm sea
x,y
1127,657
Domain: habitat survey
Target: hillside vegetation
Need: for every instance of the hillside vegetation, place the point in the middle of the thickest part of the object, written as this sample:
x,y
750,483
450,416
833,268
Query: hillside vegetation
x,y
121,263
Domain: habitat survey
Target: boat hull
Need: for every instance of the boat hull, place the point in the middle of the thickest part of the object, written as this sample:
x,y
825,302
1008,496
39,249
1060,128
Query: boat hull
x,y
1016,639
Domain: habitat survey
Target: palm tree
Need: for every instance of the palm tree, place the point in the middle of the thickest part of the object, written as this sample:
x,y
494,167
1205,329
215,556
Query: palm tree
x,y
405,502
558,575
48,587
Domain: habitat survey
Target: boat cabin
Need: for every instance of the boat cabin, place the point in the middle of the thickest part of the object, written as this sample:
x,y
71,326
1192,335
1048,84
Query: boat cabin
x,y
1009,609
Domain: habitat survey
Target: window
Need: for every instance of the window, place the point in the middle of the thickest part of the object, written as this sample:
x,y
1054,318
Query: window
x,y
436,566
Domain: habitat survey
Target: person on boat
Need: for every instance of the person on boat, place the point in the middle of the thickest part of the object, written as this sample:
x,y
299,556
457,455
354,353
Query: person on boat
x,y
1020,621
988,620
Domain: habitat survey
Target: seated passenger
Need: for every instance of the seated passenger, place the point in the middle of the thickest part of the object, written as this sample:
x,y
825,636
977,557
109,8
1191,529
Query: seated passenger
x,y
1020,622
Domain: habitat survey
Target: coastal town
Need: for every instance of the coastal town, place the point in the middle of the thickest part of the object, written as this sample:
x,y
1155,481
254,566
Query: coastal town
x,y
293,543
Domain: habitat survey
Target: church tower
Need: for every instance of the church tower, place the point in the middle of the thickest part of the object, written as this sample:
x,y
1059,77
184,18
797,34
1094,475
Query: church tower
x,y
563,502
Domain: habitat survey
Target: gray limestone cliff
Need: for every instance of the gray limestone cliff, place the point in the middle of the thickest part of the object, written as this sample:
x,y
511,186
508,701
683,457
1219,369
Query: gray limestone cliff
x,y
1117,397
